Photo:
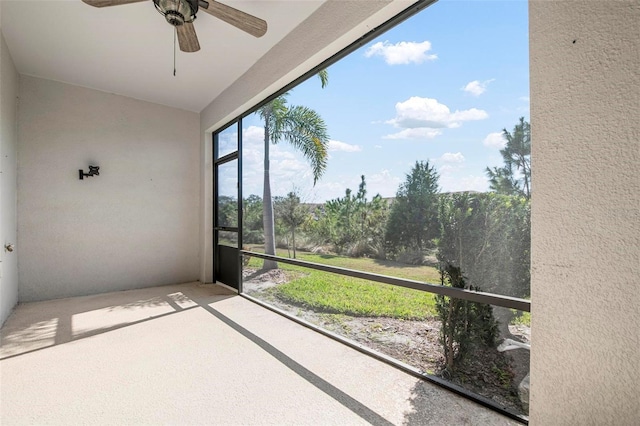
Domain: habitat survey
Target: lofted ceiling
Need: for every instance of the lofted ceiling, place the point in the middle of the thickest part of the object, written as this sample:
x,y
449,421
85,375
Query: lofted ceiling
x,y
129,49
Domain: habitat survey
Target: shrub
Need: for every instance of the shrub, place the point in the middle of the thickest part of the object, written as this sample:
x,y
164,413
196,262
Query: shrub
x,y
464,324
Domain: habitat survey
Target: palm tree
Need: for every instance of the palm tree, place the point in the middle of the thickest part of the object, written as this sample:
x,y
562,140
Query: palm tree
x,y
306,131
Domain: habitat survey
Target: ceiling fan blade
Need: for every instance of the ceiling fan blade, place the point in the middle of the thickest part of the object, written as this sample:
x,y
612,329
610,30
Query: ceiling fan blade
x,y
105,3
239,19
187,37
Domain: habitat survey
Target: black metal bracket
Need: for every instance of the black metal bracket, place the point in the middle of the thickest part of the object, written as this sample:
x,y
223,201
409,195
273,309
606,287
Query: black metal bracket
x,y
93,171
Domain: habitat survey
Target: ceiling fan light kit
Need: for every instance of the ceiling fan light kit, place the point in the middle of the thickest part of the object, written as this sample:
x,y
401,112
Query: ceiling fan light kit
x,y
181,14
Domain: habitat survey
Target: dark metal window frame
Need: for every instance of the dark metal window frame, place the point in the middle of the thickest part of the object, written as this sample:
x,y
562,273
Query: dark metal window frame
x,y
233,156
481,297
494,299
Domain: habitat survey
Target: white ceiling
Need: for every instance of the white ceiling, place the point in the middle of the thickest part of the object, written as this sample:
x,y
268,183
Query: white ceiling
x,y
128,49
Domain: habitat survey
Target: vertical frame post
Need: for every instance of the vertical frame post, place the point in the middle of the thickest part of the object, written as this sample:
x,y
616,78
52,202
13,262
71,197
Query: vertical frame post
x,y
240,207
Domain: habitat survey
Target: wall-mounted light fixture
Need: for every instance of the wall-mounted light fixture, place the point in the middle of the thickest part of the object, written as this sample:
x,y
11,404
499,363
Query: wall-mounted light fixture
x,y
93,171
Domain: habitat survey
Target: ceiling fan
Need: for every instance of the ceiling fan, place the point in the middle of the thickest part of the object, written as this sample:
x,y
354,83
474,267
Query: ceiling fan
x,y
182,13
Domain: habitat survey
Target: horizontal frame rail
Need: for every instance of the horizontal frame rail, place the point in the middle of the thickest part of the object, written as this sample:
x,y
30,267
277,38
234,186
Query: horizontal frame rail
x,y
226,228
458,293
227,158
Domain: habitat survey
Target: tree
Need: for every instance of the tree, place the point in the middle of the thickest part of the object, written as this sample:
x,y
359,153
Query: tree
x,y
227,211
292,214
413,220
306,131
488,237
252,226
371,220
352,224
502,181
517,159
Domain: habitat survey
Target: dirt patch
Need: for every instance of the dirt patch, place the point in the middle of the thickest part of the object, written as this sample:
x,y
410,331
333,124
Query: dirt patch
x,y
256,281
488,372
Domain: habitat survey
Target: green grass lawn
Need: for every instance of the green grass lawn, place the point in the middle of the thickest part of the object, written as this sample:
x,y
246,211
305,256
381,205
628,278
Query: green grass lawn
x,y
332,293
427,274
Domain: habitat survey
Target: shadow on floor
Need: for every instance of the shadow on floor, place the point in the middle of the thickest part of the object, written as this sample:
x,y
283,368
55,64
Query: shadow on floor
x,y
39,325
347,401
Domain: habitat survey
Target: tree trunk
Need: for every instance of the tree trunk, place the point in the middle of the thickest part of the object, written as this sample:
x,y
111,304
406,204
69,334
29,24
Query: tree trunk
x,y
288,248
293,240
527,173
267,207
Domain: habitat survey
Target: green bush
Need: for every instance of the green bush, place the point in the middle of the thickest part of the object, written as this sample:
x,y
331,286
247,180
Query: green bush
x,y
464,324
487,236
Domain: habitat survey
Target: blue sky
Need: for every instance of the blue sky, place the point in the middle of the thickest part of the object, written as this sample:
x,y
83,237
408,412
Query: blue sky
x,y
438,87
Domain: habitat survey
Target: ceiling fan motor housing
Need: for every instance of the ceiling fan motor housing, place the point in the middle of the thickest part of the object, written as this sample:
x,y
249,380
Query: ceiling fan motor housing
x,y
177,12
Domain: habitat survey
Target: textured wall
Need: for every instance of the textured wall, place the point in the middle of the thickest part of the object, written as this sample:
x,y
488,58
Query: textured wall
x,y
585,110
136,224
8,173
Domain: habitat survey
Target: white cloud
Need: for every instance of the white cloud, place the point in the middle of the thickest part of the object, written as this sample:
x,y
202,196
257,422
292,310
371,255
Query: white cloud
x,y
453,162
404,52
495,140
422,117
467,115
342,146
450,157
476,88
418,133
252,151
253,134
286,167
383,183
326,190
525,98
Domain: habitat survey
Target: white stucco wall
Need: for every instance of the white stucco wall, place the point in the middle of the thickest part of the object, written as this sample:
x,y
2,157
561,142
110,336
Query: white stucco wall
x,y
136,224
8,165
585,110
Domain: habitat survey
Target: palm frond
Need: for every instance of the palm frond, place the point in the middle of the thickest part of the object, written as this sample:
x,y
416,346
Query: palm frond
x,y
324,77
307,132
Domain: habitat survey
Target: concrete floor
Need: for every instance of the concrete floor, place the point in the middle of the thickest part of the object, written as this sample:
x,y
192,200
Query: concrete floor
x,y
198,354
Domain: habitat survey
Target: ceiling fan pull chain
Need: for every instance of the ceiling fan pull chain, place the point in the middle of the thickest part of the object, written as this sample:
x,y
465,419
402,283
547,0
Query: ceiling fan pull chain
x,y
175,32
